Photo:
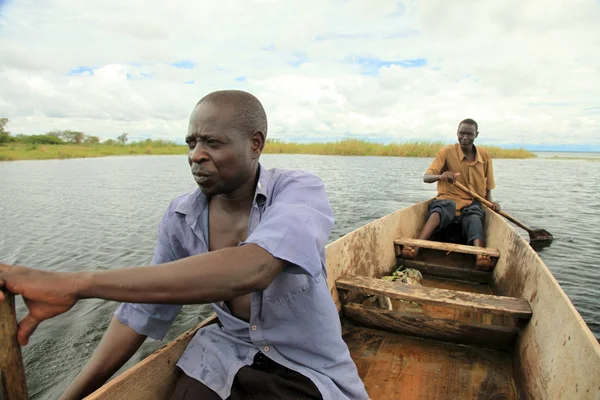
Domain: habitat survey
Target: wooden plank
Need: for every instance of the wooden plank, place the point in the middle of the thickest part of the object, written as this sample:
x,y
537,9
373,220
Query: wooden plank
x,y
394,366
498,305
154,377
444,271
452,247
482,335
13,385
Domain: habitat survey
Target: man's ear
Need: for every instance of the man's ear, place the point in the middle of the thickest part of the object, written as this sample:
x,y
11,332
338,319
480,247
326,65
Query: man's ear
x,y
258,141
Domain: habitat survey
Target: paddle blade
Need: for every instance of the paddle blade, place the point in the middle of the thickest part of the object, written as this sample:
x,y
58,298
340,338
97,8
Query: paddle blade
x,y
539,239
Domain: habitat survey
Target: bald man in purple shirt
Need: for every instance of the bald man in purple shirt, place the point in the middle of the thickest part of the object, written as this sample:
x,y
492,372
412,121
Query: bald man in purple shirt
x,y
249,241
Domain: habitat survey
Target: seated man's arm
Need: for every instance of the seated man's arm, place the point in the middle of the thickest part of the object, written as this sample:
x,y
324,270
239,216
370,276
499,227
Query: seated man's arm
x,y
434,172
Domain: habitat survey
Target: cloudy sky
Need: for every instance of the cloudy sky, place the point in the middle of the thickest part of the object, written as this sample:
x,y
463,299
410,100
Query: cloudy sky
x,y
382,70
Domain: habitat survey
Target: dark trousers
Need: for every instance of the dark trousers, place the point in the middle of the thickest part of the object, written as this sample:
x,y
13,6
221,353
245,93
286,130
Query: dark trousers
x,y
263,380
471,218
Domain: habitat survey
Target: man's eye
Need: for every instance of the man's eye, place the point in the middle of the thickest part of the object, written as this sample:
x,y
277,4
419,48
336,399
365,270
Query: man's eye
x,y
191,144
212,141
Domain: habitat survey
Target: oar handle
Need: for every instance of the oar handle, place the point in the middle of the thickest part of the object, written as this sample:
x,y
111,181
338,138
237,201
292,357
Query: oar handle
x,y
13,385
490,205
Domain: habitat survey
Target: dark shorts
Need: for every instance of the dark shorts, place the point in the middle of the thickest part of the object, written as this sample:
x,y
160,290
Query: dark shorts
x,y
470,219
264,380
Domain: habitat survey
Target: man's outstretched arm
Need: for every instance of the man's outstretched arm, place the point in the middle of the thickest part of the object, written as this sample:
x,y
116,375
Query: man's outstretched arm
x,y
204,278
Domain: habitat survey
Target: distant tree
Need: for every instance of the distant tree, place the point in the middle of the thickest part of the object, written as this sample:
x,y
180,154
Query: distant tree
x,y
74,137
4,134
91,140
55,133
39,139
110,142
123,138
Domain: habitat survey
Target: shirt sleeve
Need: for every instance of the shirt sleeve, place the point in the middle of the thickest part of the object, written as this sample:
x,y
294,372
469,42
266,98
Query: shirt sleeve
x,y
438,163
152,320
295,227
489,175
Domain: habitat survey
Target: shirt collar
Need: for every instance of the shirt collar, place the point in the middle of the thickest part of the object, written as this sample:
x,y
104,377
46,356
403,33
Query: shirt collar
x,y
461,154
193,204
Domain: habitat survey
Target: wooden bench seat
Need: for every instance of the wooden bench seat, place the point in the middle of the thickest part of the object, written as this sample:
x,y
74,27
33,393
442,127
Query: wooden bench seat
x,y
449,247
441,314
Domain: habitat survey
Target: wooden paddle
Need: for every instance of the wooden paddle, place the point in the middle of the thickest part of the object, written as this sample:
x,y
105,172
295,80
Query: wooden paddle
x,y
535,235
13,385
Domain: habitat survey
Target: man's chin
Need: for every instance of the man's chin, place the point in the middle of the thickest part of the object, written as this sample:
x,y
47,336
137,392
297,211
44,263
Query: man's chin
x,y
210,190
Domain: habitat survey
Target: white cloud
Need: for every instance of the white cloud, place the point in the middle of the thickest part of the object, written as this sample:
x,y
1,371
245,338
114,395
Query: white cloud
x,y
527,71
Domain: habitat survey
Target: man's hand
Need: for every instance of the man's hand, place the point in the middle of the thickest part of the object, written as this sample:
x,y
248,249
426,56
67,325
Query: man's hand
x,y
496,206
46,294
449,176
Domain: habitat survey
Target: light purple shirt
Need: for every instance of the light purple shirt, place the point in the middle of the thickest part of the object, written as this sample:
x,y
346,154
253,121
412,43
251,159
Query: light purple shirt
x,y
294,321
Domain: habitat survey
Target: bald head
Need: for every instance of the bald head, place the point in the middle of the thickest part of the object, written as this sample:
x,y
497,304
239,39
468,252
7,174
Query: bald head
x,y
249,115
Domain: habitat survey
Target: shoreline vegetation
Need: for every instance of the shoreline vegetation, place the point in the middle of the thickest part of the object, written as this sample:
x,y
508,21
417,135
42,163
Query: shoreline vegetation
x,y
15,151
59,144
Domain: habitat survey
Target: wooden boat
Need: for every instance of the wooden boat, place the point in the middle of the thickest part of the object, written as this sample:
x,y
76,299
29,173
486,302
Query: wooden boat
x,y
506,333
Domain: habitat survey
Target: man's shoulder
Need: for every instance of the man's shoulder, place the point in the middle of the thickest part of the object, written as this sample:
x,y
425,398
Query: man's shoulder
x,y
485,154
282,176
446,149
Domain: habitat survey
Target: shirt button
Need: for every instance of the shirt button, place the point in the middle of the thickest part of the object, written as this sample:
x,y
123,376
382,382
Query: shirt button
x,y
253,327
267,348
222,304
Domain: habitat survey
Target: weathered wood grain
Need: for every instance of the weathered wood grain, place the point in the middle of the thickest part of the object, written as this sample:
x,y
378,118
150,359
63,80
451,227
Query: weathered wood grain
x,y
13,385
394,366
483,335
452,247
499,305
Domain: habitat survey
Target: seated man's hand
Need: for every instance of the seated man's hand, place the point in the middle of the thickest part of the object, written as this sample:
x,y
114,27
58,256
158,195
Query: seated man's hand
x,y
449,176
496,206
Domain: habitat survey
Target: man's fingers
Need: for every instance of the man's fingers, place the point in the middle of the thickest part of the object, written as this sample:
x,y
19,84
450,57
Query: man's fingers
x,y
27,326
457,174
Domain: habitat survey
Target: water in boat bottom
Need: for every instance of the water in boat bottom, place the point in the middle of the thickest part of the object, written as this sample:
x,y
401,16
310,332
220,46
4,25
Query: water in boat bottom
x,y
76,215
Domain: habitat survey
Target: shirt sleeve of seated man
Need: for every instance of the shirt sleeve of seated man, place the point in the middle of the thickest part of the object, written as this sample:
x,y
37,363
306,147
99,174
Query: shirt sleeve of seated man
x,y
438,163
152,320
295,226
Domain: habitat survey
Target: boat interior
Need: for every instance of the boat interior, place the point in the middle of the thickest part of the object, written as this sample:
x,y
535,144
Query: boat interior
x,y
449,337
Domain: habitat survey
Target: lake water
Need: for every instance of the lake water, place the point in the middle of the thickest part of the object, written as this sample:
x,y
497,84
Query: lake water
x,y
82,214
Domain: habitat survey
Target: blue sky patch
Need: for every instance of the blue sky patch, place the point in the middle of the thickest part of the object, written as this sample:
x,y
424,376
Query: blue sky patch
x,y
240,78
189,82
81,70
371,66
184,64
297,59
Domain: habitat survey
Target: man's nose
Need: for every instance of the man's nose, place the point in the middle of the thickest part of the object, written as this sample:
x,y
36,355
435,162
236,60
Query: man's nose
x,y
198,154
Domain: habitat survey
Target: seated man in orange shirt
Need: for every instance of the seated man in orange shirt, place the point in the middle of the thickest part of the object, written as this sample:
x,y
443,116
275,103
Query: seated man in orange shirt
x,y
472,167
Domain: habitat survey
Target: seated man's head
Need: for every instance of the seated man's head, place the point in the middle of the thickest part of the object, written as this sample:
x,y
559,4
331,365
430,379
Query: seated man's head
x,y
467,132
226,136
